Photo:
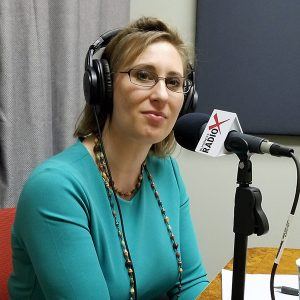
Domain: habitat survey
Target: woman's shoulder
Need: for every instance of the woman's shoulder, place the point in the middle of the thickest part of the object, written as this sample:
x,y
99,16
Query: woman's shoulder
x,y
65,175
67,165
67,159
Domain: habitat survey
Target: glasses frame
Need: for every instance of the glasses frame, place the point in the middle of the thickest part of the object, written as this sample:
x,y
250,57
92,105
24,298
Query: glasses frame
x,y
157,78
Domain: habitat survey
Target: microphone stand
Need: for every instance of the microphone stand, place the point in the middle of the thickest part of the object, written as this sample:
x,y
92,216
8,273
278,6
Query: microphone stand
x,y
249,217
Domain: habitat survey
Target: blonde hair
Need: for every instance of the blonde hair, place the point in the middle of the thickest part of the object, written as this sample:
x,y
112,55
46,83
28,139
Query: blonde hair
x,y
122,50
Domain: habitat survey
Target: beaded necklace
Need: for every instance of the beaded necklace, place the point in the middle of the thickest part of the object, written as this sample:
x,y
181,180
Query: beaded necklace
x,y
103,168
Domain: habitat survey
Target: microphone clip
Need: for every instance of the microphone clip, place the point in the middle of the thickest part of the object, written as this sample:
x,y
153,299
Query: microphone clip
x,y
249,218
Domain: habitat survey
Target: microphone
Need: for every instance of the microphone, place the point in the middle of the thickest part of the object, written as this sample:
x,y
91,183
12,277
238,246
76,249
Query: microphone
x,y
221,134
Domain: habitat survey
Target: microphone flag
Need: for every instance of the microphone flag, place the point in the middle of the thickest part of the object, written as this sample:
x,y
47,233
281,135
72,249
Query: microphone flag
x,y
219,125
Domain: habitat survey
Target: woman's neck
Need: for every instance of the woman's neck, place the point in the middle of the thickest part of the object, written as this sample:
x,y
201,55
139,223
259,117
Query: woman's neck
x,y
124,158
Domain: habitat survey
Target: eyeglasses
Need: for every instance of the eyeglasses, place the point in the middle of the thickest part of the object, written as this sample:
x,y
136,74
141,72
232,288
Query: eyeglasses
x,y
149,79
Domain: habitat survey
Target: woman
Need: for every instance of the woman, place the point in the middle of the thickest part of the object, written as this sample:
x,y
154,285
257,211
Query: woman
x,y
108,218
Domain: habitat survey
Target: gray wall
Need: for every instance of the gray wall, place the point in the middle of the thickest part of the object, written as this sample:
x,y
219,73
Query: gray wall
x,y
211,181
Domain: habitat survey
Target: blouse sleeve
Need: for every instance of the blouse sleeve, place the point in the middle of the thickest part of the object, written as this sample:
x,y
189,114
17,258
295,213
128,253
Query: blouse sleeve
x,y
52,225
194,274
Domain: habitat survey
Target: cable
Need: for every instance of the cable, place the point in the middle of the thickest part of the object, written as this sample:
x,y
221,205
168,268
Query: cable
x,y
298,184
115,196
285,232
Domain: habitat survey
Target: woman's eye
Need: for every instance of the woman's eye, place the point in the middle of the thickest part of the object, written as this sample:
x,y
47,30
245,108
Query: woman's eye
x,y
174,81
143,75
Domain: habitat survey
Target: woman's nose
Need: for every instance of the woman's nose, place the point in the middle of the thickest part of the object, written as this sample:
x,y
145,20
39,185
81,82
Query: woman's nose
x,y
160,91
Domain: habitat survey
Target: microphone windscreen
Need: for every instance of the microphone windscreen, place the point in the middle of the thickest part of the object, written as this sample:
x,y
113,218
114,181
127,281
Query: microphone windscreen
x,y
189,128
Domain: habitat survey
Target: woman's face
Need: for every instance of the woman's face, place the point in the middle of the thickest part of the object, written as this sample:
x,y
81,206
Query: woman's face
x,y
147,114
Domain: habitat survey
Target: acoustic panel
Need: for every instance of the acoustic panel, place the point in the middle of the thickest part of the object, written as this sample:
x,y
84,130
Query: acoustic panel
x,y
248,62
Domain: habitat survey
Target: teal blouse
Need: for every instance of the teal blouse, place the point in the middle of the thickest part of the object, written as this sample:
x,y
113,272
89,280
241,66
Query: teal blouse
x,y
65,243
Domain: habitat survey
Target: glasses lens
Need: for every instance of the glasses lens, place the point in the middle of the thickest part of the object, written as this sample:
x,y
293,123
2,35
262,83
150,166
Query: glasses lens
x,y
175,84
142,77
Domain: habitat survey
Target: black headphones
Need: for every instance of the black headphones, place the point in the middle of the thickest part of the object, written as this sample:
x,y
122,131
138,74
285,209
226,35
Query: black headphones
x,y
97,80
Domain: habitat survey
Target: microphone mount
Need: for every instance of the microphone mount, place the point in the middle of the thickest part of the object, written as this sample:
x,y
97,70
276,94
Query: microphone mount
x,y
249,217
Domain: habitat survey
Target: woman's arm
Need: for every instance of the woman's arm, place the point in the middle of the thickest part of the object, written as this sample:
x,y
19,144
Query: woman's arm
x,y
52,222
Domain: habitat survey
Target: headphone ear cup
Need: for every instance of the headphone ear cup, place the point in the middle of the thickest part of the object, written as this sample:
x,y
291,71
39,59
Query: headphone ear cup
x,y
190,102
103,96
90,85
108,86
97,85
100,90
191,98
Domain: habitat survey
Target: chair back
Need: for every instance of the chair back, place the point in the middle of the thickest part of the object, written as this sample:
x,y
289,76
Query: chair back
x,y
7,216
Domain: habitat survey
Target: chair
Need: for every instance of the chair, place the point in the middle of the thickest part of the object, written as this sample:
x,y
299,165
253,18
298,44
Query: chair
x,y
7,216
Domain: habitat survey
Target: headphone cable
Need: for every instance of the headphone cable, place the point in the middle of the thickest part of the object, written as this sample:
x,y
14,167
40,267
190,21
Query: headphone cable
x,y
285,232
115,196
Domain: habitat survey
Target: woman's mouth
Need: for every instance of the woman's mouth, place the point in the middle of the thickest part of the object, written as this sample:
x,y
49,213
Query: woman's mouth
x,y
155,117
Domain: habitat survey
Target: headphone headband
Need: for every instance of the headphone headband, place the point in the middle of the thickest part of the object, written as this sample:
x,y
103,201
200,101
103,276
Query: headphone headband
x,y
101,42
